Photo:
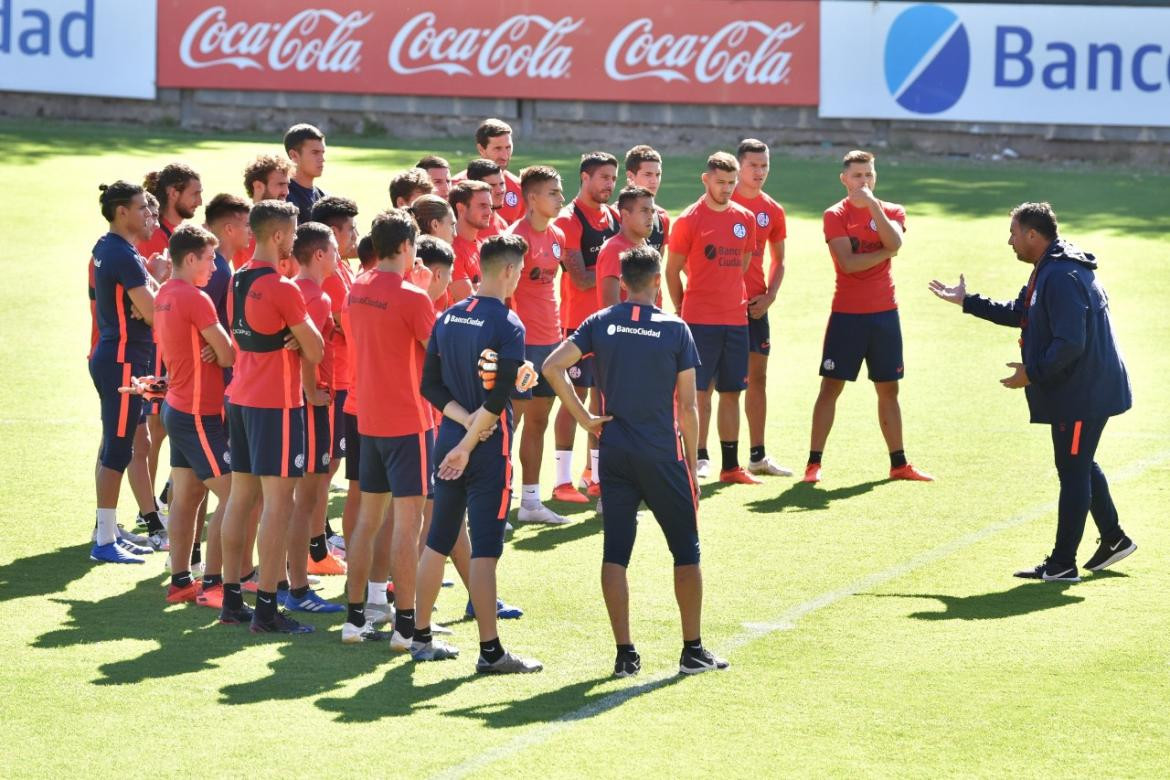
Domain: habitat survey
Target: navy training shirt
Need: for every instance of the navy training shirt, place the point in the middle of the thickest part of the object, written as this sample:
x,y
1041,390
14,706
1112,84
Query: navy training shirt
x,y
639,351
461,333
117,269
303,198
217,289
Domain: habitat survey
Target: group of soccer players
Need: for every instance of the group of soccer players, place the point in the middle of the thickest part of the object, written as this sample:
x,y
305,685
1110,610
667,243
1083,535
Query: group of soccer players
x,y
267,359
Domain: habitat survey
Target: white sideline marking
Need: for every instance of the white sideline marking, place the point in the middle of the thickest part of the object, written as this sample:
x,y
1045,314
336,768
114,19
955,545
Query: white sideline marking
x,y
784,622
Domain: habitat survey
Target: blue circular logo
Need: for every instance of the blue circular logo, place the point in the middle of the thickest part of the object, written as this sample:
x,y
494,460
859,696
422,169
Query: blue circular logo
x,y
928,59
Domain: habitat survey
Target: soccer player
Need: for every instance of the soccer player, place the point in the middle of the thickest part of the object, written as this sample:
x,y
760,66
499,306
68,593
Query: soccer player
x,y
265,178
638,220
713,241
266,415
390,321
1072,374
305,147
644,169
316,253
124,305
493,141
439,171
185,324
438,257
535,302
474,473
493,176
472,202
586,222
864,234
226,216
642,455
409,185
754,163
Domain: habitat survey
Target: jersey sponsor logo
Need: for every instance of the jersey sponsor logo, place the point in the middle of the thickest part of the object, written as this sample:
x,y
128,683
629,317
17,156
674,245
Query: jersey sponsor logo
x,y
312,40
723,55
462,320
614,329
556,249
528,45
739,229
762,219
927,59
511,199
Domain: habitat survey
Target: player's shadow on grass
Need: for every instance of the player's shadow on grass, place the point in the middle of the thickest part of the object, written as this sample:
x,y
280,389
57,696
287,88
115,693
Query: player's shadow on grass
x,y
1023,599
40,575
546,537
394,696
806,497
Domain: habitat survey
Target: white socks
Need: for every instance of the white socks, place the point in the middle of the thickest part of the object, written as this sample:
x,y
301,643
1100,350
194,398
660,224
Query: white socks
x,y
564,467
593,465
376,593
530,496
107,526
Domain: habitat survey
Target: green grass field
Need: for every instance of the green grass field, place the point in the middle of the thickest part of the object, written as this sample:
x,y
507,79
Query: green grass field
x,y
873,628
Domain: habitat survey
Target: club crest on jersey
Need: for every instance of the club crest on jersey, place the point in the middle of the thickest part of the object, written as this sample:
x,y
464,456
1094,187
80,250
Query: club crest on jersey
x,y
739,230
762,219
556,250
511,199
872,224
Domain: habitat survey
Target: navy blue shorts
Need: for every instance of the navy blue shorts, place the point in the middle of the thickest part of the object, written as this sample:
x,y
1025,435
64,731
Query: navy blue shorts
x,y
723,357
267,442
121,412
537,353
198,443
351,447
627,480
339,397
400,465
318,438
483,491
582,373
874,338
760,336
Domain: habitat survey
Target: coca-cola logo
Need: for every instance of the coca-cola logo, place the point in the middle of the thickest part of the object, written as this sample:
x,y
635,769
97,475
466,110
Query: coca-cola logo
x,y
527,45
723,55
313,39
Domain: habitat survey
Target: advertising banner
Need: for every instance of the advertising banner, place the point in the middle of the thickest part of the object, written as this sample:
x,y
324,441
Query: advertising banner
x,y
78,47
1043,64
754,52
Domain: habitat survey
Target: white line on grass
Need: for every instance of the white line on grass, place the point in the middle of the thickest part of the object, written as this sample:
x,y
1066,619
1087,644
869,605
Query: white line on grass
x,y
784,622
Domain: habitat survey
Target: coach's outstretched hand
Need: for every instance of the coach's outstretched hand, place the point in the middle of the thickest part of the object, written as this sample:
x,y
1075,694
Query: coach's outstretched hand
x,y
954,294
1018,379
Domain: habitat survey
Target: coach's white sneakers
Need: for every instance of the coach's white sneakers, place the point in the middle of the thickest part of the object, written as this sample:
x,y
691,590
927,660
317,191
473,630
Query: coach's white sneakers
x,y
769,468
702,468
540,514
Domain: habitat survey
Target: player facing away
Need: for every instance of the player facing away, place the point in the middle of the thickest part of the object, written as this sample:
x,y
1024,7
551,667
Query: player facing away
x,y
713,241
474,448
586,222
493,176
185,324
439,171
472,203
1072,374
643,457
305,147
535,302
864,234
636,208
754,165
266,416
644,169
124,309
407,186
390,322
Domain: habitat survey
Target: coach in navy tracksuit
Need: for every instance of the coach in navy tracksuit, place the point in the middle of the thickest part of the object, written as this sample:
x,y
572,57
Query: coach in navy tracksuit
x,y
1072,374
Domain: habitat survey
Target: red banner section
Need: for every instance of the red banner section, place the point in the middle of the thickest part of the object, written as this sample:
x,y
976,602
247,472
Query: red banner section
x,y
753,52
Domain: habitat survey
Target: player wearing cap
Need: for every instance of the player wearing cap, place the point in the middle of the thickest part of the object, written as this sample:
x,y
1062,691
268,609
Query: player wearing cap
x,y
439,171
472,203
305,147
643,456
644,169
712,241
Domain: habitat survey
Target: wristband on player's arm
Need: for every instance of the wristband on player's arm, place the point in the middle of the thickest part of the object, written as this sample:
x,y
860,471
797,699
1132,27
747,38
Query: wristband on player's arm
x,y
432,387
497,397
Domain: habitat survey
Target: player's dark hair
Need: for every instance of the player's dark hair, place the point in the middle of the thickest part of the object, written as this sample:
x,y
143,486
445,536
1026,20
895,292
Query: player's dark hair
x,y
750,146
479,169
187,239
503,249
1037,216
408,183
432,250
462,192
151,202
591,161
722,161
296,136
489,129
311,237
427,209
366,252
639,265
535,175
120,193
641,154
856,156
391,229
223,206
177,175
267,215
333,210
263,167
433,161
631,195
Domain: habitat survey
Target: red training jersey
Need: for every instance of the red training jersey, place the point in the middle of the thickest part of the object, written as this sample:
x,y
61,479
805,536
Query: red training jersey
x,y
269,380
535,300
336,286
576,303
770,227
181,312
871,290
239,259
495,227
320,308
714,243
466,261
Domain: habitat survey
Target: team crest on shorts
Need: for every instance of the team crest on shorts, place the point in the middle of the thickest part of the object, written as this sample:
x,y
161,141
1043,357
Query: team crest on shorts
x,y
511,199
575,371
829,365
1033,301
739,230
227,458
762,219
341,443
299,460
556,250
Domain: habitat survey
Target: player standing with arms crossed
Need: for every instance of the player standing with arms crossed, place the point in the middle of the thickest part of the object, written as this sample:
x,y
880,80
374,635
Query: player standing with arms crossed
x,y
644,169
638,219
